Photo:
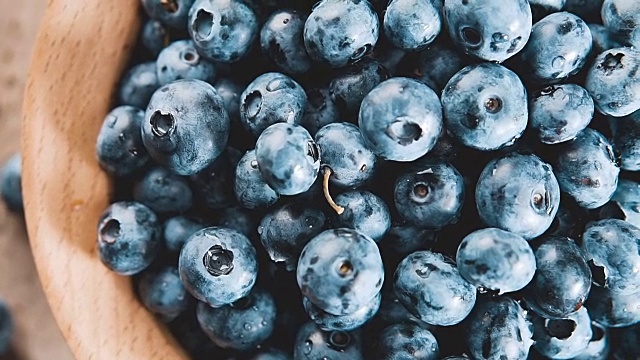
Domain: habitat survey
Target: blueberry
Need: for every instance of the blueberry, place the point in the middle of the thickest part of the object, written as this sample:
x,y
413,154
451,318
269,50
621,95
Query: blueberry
x,y
614,82
6,328
407,341
340,271
614,245
230,90
119,146
214,184
559,112
163,192
400,119
627,197
339,32
162,292
344,151
411,25
177,230
622,18
516,187
128,237
437,64
243,325
287,228
218,266
611,309
271,98
603,39
239,219
499,329
562,280
354,82
495,259
489,30
154,36
485,106
431,288
629,342
11,183
402,240
598,347
430,195
271,354
586,169
313,343
321,110
223,30
186,126
354,320
250,188
562,338
393,312
288,158
170,12
180,60
190,336
364,212
626,140
558,48
282,41
138,84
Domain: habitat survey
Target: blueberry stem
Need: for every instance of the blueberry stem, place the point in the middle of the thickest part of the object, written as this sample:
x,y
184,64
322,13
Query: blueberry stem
x,y
325,187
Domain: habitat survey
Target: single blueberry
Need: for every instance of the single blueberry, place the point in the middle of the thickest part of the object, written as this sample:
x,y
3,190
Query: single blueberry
x,y
321,110
354,82
282,41
11,183
627,198
312,343
412,25
138,84
154,36
186,126
626,140
177,230
6,328
169,12
622,18
180,60
163,192
128,237
611,309
407,341
218,266
562,338
119,146
162,292
400,119
364,212
250,188
354,320
437,64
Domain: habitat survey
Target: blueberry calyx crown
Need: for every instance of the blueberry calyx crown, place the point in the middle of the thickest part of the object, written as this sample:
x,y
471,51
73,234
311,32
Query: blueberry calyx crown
x,y
162,124
339,340
218,261
110,231
611,62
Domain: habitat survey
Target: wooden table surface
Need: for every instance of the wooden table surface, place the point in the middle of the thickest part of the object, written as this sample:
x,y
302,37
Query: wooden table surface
x,y
37,335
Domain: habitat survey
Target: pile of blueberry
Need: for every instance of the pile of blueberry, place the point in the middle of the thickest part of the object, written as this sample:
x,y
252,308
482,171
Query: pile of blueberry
x,y
373,179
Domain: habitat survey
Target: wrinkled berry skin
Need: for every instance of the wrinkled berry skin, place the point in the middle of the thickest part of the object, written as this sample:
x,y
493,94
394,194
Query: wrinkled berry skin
x,y
171,13
6,328
516,187
615,245
223,30
499,329
138,84
312,343
559,112
626,140
562,280
587,170
240,326
282,41
432,289
339,32
250,188
340,271
271,98
177,230
622,18
119,146
400,119
364,212
485,106
562,339
613,310
344,151
163,192
627,198
411,25
161,291
287,228
128,237
321,110
354,82
496,260
492,40
614,82
438,64
11,183
288,158
329,322
186,126
407,341
558,48
220,282
430,195
180,60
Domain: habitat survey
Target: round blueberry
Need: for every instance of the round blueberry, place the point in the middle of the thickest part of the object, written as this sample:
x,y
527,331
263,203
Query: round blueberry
x,y
622,18
485,106
354,82
6,328
163,192
180,60
154,36
312,343
407,341
282,41
627,198
161,291
364,212
626,140
321,110
11,183
613,310
119,146
437,64
412,25
400,119
186,126
170,12
128,237
562,338
177,230
218,266
356,319
138,84
250,188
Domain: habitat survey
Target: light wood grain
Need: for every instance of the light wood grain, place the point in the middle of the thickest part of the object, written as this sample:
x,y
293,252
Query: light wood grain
x,y
79,54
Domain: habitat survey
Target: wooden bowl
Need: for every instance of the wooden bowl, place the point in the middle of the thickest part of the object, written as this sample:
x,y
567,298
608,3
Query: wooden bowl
x,y
80,53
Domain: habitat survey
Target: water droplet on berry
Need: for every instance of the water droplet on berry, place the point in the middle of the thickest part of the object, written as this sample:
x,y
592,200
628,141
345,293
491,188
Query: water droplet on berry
x,y
558,62
308,346
247,327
